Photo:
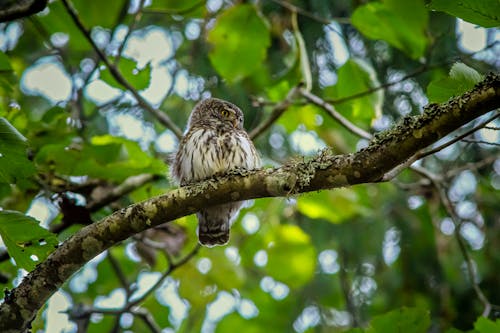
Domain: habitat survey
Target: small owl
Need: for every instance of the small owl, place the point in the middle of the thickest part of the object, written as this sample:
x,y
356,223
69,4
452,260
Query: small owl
x,y
214,143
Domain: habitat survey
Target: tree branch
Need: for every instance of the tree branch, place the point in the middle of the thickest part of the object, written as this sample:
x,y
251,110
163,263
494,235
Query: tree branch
x,y
325,171
277,111
13,9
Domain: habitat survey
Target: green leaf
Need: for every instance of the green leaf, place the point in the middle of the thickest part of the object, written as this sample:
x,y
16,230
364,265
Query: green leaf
x,y
484,325
235,323
401,23
240,39
58,21
460,79
485,12
224,275
354,77
408,320
453,330
334,206
24,238
139,79
106,157
355,330
176,6
291,257
99,13
4,63
14,163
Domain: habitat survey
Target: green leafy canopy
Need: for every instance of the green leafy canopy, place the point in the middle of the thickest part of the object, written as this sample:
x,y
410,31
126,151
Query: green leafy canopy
x,y
239,41
400,23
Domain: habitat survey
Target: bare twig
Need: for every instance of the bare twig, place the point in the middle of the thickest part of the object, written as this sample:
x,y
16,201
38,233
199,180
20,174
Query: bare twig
x,y
130,184
303,12
148,319
393,173
472,166
346,288
183,11
119,274
277,111
132,306
460,137
463,248
172,267
482,142
163,118
335,115
422,69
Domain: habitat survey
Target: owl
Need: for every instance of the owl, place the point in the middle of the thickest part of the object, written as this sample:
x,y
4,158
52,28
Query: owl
x,y
214,142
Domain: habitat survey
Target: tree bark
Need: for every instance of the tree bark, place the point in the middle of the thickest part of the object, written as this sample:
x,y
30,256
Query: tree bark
x,y
13,9
325,171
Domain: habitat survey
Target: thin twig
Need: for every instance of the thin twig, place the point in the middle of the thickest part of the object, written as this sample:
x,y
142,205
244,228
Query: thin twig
x,y
460,137
119,274
163,118
346,288
172,267
394,172
472,166
418,71
422,69
132,306
148,319
162,11
277,111
436,181
335,115
303,12
482,142
463,248
130,184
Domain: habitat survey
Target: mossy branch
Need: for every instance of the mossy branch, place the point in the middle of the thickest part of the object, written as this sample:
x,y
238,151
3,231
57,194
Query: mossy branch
x,y
325,171
14,9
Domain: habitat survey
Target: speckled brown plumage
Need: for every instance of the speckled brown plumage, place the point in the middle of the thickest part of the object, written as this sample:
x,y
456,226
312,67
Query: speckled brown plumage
x,y
214,143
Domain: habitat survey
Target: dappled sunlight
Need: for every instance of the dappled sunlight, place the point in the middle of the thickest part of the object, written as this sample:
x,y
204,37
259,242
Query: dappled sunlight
x,y
328,261
310,317
115,300
48,79
168,295
391,247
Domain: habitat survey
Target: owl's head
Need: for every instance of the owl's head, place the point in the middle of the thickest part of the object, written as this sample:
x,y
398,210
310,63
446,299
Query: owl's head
x,y
216,112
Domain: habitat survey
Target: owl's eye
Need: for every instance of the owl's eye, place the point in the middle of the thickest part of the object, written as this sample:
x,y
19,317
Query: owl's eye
x,y
224,113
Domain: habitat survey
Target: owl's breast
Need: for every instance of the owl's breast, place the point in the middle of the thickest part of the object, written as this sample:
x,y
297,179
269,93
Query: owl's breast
x,y
205,152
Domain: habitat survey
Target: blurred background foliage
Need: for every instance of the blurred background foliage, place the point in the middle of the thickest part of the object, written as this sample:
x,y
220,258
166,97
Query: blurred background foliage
x,y
80,136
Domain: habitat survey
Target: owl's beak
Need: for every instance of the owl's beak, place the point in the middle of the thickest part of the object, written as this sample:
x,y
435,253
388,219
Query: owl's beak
x,y
235,122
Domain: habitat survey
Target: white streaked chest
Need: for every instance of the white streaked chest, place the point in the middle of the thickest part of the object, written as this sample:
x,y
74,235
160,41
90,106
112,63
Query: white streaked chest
x,y
205,153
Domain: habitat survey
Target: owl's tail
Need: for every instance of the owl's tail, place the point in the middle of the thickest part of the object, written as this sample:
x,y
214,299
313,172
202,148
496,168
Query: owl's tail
x,y
213,238
214,224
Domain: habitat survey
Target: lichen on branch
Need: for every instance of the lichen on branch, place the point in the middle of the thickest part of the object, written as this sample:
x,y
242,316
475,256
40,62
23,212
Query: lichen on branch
x,y
325,171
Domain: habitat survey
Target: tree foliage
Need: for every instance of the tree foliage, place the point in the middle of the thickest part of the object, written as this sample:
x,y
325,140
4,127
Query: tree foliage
x,y
93,99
